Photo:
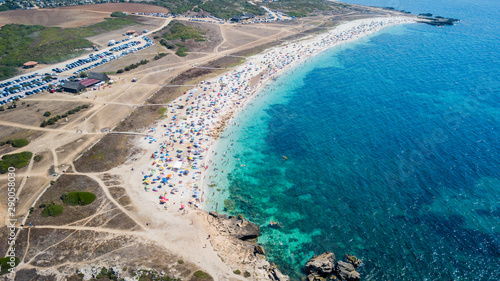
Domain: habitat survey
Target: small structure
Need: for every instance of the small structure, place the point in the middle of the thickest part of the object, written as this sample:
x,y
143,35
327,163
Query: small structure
x,y
89,82
130,32
98,76
242,18
73,87
30,64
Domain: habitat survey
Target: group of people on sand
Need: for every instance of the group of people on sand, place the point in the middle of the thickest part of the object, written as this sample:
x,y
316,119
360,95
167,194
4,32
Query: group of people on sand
x,y
181,145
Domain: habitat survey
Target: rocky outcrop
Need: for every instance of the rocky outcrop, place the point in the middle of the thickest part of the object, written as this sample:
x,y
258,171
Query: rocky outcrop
x,y
238,227
275,274
258,249
324,267
322,264
346,271
437,21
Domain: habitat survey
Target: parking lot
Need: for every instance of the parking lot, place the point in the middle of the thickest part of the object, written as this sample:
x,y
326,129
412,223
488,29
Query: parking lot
x,y
32,83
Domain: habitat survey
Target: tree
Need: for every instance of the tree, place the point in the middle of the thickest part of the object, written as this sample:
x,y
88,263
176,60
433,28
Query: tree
x,y
47,113
83,75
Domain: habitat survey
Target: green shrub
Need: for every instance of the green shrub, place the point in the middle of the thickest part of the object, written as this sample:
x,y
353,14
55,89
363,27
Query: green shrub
x,y
118,14
237,271
159,56
20,142
52,210
5,266
37,158
47,113
18,160
247,274
78,198
119,71
202,274
180,261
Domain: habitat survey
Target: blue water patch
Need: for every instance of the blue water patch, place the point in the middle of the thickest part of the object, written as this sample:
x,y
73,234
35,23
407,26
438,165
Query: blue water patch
x,y
393,155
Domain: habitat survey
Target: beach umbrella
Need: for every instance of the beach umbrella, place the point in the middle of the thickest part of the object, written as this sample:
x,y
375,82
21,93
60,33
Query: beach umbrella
x,y
183,206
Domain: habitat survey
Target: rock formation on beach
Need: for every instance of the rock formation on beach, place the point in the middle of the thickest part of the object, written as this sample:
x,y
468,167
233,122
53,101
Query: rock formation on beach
x,y
244,236
324,267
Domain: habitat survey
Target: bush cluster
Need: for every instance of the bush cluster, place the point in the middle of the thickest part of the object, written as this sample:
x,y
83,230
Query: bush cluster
x,y
16,142
51,210
159,56
56,118
80,198
17,160
135,65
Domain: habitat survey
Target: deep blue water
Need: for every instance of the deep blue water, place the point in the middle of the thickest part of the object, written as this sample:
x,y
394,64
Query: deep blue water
x,y
393,147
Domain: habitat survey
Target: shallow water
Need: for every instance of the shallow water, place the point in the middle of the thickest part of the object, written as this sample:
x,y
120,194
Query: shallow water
x,y
393,153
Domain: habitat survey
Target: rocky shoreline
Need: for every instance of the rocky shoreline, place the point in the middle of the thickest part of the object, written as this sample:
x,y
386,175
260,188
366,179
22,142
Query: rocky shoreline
x,y
242,235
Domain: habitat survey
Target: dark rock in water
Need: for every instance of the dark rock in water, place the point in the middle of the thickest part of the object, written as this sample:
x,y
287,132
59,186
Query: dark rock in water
x,y
258,249
426,15
352,260
321,265
437,21
346,271
242,229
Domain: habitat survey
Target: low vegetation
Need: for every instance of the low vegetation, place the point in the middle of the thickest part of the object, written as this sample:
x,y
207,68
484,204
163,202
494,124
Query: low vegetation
x,y
118,14
153,275
5,266
78,198
16,142
302,8
225,9
56,118
37,158
177,30
159,56
203,275
17,160
181,50
20,142
21,43
51,210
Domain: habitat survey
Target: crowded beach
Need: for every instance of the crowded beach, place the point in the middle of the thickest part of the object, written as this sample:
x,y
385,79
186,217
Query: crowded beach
x,y
181,146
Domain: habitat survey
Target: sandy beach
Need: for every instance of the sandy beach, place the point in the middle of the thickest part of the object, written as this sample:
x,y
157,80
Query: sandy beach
x,y
168,178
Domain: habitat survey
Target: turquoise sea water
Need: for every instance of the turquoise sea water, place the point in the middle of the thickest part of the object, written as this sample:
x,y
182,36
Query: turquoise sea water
x,y
393,147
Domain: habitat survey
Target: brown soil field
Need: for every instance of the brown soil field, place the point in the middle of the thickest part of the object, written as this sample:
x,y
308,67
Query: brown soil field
x,y
33,115
110,151
142,23
123,7
52,17
73,16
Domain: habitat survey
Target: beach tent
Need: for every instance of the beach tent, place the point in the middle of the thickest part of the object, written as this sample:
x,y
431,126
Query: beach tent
x,y
177,165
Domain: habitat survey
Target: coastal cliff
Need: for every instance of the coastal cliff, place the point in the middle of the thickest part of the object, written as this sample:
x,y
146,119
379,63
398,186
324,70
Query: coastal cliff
x,y
236,244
